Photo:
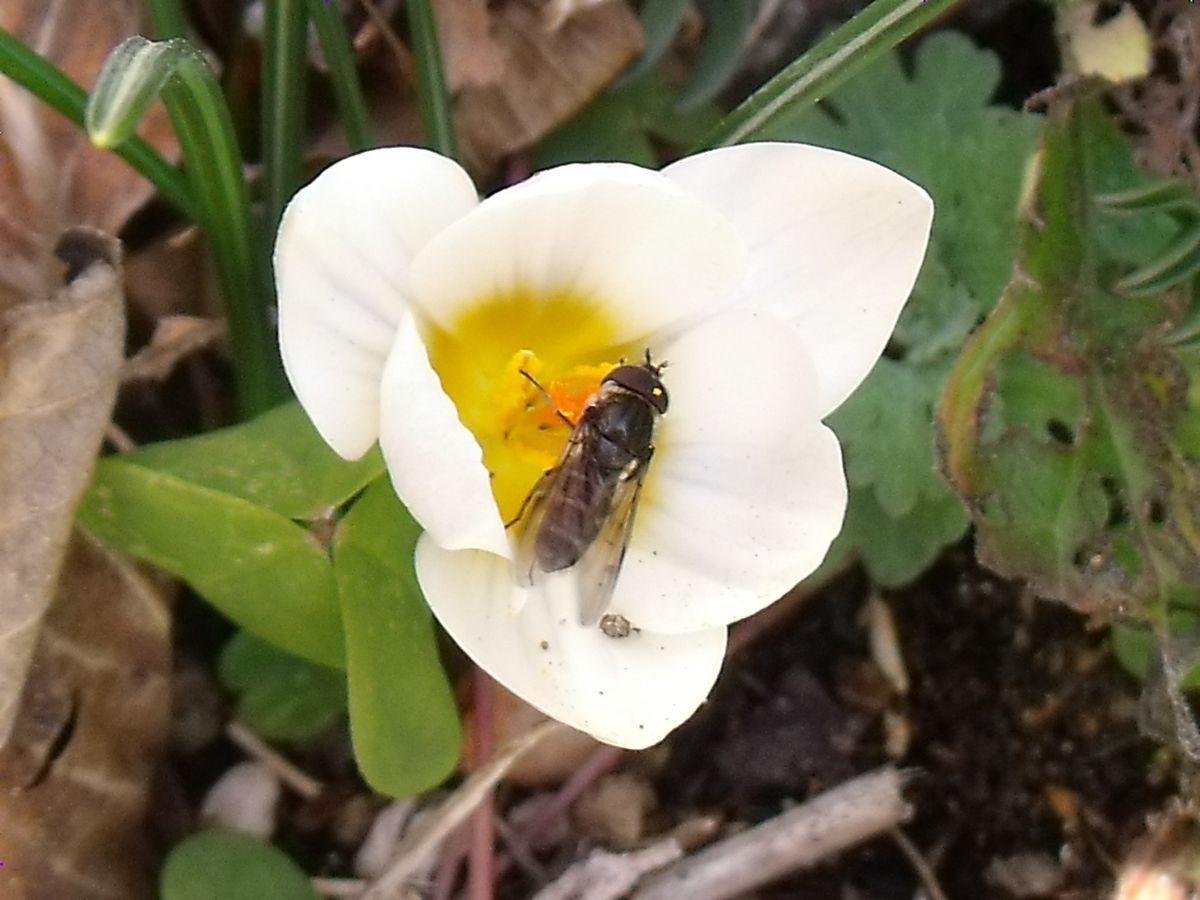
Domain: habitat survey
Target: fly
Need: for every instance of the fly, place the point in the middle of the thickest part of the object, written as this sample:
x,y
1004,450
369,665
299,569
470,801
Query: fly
x,y
580,513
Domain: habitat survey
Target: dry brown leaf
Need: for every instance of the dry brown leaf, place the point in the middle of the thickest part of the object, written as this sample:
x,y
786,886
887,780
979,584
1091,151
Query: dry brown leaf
x,y
59,363
469,50
51,178
75,778
514,79
548,76
174,338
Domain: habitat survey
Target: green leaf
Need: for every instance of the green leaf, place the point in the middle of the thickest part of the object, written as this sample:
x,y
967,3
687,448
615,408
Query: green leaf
x,y
1060,420
895,550
281,696
257,567
821,70
1134,649
225,865
934,125
897,402
277,461
403,720
660,20
727,25
624,126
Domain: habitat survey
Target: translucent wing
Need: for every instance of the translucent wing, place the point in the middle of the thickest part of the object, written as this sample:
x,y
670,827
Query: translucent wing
x,y
532,515
597,570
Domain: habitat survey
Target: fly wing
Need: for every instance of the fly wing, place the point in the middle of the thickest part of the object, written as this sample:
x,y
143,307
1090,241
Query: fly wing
x,y
597,570
532,517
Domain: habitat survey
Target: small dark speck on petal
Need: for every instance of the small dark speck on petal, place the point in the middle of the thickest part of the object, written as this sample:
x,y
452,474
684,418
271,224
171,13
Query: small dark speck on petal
x,y
545,645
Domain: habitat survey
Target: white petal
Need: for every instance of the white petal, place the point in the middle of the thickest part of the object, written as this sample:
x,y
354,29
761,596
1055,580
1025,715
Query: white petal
x,y
835,243
435,463
746,489
342,258
629,691
647,253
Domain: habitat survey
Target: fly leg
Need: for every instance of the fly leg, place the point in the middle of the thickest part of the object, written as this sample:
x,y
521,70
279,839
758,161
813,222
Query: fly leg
x,y
549,400
538,489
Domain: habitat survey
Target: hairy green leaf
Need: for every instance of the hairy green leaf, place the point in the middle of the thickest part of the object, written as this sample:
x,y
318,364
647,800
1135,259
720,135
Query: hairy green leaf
x,y
1067,421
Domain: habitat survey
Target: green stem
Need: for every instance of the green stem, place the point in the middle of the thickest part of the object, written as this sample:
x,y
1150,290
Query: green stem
x,y
846,51
432,94
343,74
213,159
285,73
50,85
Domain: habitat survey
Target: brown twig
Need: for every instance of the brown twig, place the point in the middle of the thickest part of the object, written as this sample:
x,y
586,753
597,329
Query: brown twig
x,y
799,838
920,865
301,783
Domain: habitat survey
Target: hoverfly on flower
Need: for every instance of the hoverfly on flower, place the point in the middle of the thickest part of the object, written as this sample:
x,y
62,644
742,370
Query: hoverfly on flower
x,y
580,513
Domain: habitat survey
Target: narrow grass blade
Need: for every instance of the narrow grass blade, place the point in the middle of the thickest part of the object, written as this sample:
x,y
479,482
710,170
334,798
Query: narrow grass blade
x,y
343,75
432,94
214,164
285,77
853,46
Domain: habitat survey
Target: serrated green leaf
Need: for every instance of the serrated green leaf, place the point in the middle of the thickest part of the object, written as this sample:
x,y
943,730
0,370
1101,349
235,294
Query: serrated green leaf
x,y
897,402
934,125
281,696
225,865
276,461
257,567
840,55
1059,420
894,551
403,720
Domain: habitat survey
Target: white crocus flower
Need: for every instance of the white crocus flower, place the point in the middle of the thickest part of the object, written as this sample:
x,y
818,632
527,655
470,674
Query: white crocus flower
x,y
767,276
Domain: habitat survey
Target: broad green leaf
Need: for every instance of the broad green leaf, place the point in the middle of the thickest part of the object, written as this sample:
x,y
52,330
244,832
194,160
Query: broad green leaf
x,y
277,461
281,696
1061,420
225,865
403,720
259,568
932,123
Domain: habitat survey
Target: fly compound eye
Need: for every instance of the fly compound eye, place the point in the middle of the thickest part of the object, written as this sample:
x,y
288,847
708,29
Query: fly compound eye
x,y
643,381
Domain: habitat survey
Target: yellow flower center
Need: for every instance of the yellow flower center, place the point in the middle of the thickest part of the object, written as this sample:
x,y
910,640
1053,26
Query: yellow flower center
x,y
520,368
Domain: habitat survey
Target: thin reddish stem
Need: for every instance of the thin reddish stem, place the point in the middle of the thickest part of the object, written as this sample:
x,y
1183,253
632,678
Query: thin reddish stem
x,y
481,855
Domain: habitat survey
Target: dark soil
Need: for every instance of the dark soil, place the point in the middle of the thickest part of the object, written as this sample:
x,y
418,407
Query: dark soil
x,y
1023,732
